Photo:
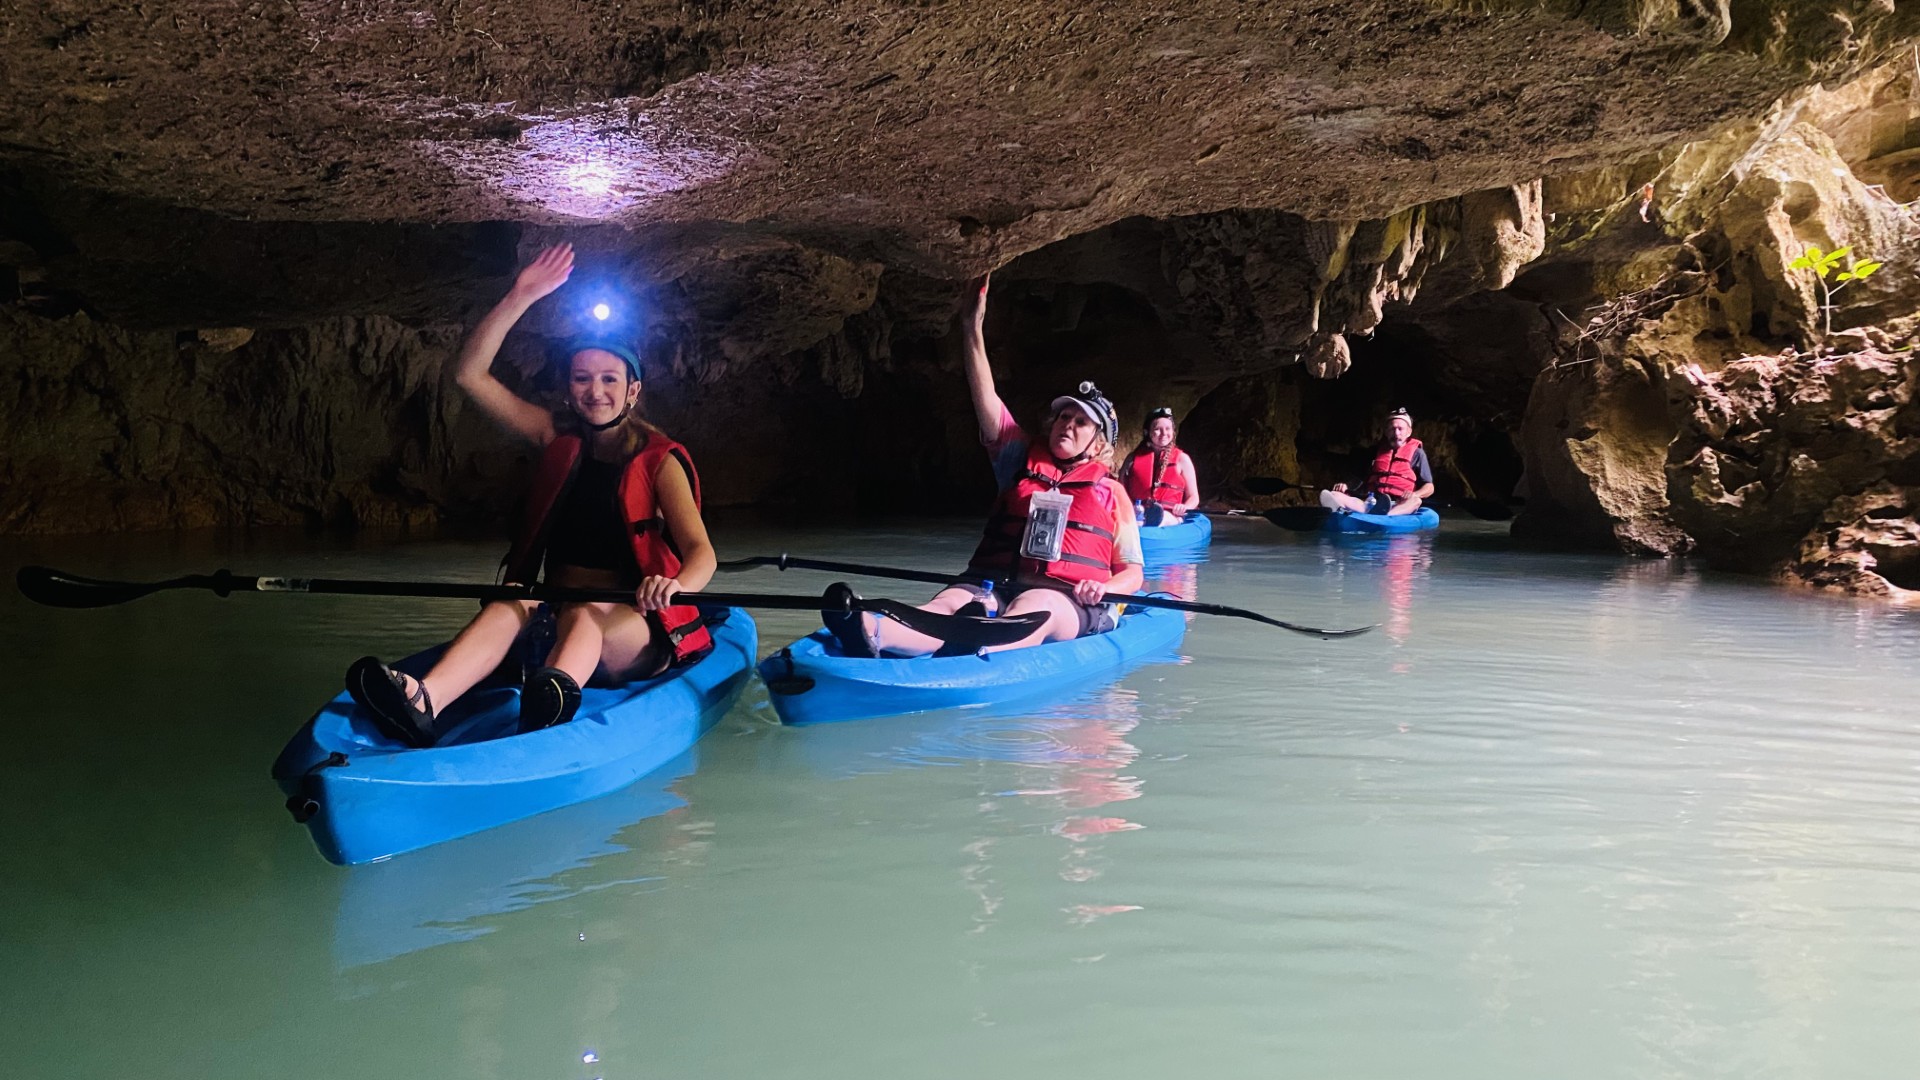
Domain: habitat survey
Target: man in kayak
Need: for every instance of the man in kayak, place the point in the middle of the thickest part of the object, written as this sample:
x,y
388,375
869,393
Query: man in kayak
x,y
1062,531
1400,477
1159,475
615,504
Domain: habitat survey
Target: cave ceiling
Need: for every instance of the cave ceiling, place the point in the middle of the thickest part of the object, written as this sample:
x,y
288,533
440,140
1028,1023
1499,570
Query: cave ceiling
x,y
937,138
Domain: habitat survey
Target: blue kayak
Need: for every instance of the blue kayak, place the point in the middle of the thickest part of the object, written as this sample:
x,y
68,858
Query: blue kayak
x,y
855,688
1174,543
370,797
1419,521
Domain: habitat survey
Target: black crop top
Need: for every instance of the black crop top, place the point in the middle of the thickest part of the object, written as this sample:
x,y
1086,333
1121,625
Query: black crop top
x,y
588,529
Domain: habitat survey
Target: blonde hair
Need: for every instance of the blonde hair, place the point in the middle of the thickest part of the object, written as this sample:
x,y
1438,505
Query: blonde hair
x,y
1101,451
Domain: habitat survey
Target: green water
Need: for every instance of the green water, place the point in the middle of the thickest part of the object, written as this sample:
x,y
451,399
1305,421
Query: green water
x,y
1560,816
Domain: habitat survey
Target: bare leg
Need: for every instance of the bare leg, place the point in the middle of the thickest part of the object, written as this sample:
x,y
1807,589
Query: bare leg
x,y
1340,500
477,651
1405,506
1062,625
614,636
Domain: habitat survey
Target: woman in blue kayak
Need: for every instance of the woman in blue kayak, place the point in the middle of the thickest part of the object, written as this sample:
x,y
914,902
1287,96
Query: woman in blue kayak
x,y
615,504
1399,479
1062,531
1159,475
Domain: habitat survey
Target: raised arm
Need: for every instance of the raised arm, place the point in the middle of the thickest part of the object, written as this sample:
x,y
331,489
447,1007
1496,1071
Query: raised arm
x,y
473,370
987,406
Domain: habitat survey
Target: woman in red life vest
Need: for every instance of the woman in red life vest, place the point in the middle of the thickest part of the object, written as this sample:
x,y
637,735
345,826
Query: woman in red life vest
x,y
1159,475
1061,532
1399,479
615,504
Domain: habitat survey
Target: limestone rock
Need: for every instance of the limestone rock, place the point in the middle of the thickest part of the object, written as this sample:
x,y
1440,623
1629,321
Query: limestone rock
x,y
224,339
1866,544
1770,447
1248,426
1595,445
943,138
1329,357
338,423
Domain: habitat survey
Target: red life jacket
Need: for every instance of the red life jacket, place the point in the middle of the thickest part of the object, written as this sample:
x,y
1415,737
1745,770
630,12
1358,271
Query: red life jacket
x,y
1149,479
654,552
1393,473
1087,550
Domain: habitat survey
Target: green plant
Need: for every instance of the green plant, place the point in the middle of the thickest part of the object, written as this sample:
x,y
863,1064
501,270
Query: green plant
x,y
1826,267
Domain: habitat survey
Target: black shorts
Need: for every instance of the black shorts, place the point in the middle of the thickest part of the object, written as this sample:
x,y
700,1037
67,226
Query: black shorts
x,y
1097,619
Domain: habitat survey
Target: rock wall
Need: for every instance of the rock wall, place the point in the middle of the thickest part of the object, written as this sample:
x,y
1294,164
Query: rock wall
x,y
1800,464
337,422
1721,400
797,376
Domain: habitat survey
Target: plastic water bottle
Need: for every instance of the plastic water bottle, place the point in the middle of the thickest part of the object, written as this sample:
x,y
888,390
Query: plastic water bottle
x,y
987,601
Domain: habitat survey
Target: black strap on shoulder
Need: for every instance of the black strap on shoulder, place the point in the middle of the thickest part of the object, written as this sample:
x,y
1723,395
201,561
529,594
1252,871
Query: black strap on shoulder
x,y
1083,560
1094,529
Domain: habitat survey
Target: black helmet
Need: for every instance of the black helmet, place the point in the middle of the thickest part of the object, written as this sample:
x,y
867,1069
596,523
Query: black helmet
x,y
1095,404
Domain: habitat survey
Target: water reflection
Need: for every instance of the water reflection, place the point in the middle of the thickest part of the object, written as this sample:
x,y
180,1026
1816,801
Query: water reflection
x,y
1074,758
454,891
1404,561
1182,581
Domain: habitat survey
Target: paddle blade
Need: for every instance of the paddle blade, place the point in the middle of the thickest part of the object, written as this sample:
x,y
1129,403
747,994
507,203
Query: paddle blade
x,y
1298,518
1267,485
966,633
56,588
1315,631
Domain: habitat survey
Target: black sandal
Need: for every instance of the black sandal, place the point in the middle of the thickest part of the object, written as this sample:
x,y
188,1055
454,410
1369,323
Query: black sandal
x,y
400,716
549,697
849,627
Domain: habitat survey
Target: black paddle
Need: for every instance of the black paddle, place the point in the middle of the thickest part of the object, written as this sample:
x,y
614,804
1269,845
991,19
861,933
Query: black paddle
x,y
1484,509
789,562
56,588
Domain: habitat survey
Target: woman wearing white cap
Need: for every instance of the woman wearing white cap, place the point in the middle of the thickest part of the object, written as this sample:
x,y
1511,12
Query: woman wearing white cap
x,y
1062,532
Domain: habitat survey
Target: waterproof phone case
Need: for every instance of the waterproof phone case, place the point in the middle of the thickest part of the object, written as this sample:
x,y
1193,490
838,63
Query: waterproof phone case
x,y
1046,526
